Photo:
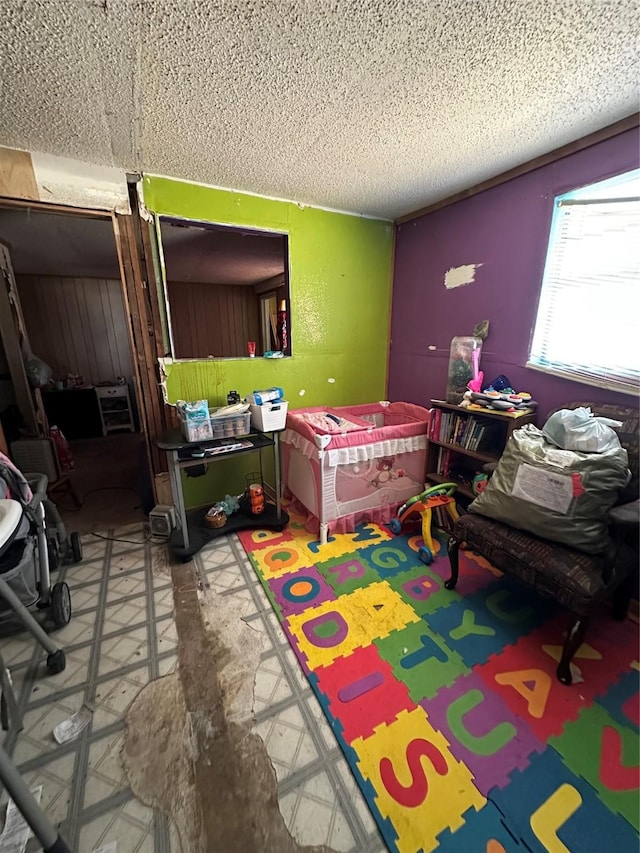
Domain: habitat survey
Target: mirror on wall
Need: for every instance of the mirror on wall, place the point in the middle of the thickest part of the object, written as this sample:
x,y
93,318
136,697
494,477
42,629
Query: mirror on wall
x,y
227,290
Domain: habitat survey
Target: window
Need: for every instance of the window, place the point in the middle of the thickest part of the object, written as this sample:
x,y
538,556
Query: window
x,y
588,322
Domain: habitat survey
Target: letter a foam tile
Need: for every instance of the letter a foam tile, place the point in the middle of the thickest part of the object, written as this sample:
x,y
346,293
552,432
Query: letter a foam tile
x,y
553,811
423,790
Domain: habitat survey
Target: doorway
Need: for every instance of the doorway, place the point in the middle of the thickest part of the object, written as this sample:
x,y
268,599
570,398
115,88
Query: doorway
x,y
68,281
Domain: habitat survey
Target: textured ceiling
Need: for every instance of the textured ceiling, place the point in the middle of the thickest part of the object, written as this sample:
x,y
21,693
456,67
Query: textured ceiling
x,y
371,106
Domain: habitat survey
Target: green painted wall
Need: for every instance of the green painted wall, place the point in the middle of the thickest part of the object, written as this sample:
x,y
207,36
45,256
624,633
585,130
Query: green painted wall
x,y
340,290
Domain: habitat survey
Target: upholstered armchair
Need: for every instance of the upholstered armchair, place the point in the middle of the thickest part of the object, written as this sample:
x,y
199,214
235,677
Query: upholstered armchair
x,y
579,581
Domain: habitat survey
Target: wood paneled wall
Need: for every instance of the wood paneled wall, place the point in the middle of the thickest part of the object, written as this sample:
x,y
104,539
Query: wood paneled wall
x,y
213,319
77,325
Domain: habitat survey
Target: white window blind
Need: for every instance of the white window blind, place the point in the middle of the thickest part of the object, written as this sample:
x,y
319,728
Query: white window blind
x,y
588,322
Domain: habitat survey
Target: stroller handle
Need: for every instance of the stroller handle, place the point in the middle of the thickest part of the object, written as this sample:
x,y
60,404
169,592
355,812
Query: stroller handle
x,y
38,484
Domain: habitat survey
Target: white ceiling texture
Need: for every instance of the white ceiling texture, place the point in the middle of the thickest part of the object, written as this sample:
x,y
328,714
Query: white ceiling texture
x,y
372,106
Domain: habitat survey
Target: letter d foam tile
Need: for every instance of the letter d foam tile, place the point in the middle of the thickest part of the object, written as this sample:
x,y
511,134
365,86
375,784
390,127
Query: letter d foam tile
x,y
336,628
420,786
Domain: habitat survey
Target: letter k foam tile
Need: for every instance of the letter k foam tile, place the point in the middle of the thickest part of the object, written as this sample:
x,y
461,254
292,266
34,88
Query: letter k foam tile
x,y
419,785
335,628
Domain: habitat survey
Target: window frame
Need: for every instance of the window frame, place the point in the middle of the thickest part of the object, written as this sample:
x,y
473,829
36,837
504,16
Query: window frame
x,y
599,191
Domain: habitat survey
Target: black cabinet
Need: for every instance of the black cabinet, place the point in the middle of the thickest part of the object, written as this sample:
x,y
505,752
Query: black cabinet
x,y
75,411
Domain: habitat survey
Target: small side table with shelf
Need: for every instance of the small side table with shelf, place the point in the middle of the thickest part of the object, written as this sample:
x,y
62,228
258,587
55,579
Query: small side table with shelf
x,y
115,408
191,534
461,440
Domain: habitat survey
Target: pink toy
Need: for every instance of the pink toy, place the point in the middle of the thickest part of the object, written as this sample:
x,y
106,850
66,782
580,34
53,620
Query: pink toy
x,y
475,384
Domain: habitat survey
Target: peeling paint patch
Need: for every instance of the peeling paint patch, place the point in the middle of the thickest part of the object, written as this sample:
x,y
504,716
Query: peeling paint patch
x,y
331,379
302,392
459,276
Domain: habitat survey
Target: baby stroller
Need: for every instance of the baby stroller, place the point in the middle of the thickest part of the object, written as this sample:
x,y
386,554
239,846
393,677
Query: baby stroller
x,y
39,544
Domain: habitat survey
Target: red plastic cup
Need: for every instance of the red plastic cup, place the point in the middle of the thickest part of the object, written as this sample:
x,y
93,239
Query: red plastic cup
x,y
251,348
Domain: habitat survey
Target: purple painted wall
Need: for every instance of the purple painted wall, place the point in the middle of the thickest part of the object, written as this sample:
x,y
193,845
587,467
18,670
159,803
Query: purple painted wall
x,y
506,230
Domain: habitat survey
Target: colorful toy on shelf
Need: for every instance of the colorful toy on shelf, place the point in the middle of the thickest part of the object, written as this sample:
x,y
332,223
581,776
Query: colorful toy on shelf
x,y
506,400
423,504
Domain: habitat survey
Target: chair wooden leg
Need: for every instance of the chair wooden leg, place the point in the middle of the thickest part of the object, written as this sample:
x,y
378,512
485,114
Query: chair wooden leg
x,y
575,637
454,547
621,599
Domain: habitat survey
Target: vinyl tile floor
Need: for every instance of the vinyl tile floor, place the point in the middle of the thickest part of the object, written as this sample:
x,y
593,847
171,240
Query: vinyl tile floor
x,y
122,635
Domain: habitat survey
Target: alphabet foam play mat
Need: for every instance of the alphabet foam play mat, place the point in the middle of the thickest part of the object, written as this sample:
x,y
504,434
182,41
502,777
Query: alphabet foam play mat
x,y
446,703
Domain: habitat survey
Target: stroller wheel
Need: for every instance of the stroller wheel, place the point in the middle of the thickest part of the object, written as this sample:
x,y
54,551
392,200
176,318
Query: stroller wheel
x,y
76,546
61,605
53,554
56,662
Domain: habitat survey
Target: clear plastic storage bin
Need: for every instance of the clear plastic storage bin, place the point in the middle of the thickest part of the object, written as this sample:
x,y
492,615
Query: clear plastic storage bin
x,y
229,426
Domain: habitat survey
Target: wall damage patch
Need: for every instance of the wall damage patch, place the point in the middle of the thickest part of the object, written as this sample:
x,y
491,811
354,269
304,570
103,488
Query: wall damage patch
x,y
459,276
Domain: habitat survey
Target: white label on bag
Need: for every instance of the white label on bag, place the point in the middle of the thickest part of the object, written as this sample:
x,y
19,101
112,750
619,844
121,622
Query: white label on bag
x,y
545,488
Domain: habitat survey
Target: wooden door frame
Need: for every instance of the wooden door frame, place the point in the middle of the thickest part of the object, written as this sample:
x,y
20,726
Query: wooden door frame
x,y
141,325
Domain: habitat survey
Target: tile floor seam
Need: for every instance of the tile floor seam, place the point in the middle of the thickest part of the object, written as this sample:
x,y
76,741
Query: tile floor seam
x,y
161,838
72,824
62,750
101,679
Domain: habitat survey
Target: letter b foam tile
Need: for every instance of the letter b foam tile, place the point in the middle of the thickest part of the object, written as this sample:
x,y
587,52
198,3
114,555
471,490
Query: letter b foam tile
x,y
423,790
550,809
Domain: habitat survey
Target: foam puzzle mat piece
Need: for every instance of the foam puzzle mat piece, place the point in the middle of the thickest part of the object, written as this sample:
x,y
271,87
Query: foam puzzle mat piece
x,y
346,573
419,785
482,732
300,591
421,659
362,692
483,831
335,628
255,540
525,677
283,558
422,589
610,763
391,557
622,700
551,809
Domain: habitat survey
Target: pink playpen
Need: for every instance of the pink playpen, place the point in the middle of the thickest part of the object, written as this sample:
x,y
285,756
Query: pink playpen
x,y
350,464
